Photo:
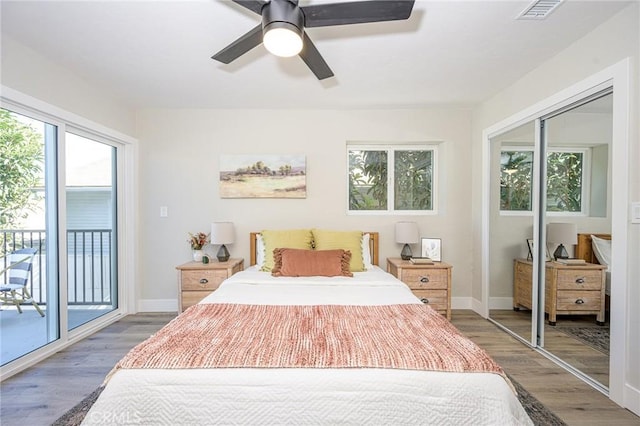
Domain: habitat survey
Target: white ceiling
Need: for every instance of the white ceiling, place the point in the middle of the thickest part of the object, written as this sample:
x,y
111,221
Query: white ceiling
x,y
157,53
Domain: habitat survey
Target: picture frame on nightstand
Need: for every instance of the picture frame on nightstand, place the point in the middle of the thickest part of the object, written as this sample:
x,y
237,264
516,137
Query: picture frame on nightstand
x,y
531,251
432,248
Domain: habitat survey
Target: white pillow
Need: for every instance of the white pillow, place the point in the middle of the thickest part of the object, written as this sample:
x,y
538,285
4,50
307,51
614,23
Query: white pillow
x,y
259,251
602,250
366,252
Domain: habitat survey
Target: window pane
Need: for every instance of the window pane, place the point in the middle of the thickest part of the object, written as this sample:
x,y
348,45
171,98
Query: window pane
x,y
367,180
29,317
91,229
564,181
413,180
515,180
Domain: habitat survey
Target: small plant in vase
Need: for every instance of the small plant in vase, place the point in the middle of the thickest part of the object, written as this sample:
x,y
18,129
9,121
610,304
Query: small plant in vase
x,y
198,241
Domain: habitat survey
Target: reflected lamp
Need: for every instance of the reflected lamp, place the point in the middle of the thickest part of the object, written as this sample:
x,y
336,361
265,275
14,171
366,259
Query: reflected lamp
x,y
561,234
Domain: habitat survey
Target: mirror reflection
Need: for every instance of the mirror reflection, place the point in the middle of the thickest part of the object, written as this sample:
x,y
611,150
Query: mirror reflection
x,y
576,223
579,236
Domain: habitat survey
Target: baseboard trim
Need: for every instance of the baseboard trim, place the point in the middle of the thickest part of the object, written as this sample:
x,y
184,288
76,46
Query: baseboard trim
x,y
158,305
461,303
632,399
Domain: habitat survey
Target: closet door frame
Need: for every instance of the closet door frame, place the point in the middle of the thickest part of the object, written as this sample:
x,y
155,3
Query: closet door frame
x,y
617,77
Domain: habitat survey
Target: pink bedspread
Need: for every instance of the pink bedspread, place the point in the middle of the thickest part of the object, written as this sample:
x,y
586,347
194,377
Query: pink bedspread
x,y
328,336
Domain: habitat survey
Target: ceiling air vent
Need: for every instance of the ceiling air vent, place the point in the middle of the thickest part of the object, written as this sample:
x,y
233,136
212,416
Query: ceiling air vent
x,y
539,9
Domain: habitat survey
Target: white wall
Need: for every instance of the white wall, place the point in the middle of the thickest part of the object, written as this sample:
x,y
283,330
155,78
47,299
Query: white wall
x,y
606,45
29,72
179,154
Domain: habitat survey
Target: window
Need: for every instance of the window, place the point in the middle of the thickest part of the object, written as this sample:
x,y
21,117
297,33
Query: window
x,y
566,183
392,179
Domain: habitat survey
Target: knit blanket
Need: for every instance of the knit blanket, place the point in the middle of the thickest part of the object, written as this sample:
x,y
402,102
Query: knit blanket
x,y
411,336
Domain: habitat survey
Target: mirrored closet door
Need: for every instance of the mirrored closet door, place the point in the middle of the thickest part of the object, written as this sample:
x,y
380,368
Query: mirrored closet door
x,y
550,232
578,212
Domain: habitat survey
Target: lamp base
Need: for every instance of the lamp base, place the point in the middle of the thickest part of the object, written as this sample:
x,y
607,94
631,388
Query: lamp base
x,y
406,253
223,254
560,253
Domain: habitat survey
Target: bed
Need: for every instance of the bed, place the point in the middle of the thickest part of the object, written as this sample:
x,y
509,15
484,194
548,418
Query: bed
x,y
349,350
596,248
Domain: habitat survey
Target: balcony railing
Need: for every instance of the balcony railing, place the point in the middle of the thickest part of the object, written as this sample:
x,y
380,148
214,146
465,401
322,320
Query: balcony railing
x,y
90,271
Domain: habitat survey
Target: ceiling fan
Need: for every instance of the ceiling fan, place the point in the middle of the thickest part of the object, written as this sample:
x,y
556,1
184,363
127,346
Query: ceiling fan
x,y
283,24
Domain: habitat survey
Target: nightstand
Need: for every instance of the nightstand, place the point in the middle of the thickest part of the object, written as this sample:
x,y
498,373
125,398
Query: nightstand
x,y
569,289
197,279
430,283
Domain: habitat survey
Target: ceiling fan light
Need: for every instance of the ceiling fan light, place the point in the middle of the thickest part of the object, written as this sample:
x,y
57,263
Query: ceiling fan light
x,y
282,39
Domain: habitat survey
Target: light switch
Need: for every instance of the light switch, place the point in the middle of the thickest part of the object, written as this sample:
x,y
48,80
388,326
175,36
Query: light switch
x,y
635,212
164,211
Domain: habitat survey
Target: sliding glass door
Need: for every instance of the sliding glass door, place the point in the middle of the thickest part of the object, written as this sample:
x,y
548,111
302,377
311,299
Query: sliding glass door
x,y
28,220
91,229
58,212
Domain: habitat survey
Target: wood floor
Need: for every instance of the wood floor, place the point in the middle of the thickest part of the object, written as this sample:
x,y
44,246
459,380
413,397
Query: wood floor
x,y
41,394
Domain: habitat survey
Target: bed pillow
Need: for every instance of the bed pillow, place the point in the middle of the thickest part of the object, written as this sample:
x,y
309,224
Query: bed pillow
x,y
259,251
290,262
346,240
602,250
366,252
290,238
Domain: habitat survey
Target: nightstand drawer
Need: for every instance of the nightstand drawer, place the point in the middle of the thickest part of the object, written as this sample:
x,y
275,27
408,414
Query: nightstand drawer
x,y
425,279
190,298
202,280
437,299
579,280
579,300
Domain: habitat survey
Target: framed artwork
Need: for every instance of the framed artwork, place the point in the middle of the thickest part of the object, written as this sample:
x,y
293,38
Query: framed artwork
x,y
531,251
263,176
432,248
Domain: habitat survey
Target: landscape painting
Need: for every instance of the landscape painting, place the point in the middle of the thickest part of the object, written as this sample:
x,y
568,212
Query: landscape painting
x,y
263,176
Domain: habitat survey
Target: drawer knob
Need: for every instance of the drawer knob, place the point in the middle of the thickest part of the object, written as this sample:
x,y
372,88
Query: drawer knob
x,y
580,280
203,280
424,279
579,302
424,300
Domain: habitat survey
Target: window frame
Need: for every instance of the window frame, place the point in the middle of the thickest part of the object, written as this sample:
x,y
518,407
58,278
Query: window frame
x,y
391,149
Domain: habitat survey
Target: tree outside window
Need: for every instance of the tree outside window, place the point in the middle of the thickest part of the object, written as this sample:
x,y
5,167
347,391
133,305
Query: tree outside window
x,y
409,170
565,177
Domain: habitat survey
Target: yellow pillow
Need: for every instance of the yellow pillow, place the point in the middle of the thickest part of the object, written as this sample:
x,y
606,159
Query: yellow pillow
x,y
346,240
290,238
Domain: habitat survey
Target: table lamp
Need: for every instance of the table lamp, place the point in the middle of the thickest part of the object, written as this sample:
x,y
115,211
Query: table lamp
x,y
407,233
561,234
222,233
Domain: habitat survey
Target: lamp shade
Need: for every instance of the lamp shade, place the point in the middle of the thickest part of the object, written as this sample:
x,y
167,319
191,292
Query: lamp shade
x,y
222,233
407,233
562,233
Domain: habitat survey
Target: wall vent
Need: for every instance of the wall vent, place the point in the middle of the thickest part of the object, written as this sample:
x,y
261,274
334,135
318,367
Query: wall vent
x,y
539,9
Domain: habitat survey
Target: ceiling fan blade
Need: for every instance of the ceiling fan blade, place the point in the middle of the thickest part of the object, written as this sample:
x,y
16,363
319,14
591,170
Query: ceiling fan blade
x,y
323,15
314,60
253,5
241,46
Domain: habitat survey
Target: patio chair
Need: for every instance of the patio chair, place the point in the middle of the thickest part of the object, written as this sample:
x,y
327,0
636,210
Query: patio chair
x,y
13,286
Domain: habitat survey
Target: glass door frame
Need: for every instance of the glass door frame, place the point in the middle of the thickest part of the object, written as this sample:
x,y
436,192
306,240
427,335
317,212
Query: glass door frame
x,y
618,77
126,159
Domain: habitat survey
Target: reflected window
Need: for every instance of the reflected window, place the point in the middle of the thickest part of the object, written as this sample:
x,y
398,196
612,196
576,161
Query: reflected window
x,y
566,191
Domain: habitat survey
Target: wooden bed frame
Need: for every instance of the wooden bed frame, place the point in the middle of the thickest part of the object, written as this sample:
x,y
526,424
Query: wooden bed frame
x,y
373,247
584,248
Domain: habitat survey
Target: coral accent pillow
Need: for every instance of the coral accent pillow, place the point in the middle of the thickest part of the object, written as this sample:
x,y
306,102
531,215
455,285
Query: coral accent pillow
x,y
310,263
346,240
294,238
